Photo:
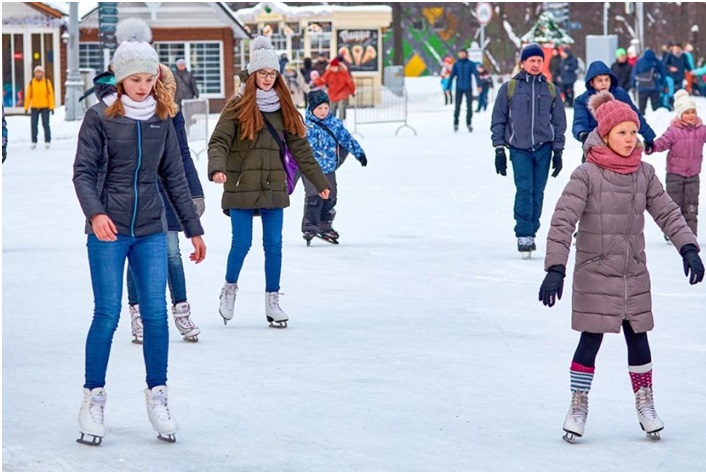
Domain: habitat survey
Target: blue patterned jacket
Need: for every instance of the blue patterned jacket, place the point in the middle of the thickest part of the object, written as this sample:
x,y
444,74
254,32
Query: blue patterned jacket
x,y
324,145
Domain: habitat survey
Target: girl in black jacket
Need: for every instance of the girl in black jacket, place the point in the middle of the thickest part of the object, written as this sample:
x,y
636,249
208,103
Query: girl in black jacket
x,y
126,144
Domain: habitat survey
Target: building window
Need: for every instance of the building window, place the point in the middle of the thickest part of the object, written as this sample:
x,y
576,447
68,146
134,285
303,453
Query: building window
x,y
90,55
203,59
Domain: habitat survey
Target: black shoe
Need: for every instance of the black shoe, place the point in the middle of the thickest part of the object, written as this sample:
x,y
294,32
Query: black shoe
x,y
455,127
470,129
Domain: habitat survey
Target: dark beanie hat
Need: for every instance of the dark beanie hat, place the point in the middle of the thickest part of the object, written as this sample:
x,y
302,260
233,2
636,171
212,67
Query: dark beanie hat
x,y
317,98
532,49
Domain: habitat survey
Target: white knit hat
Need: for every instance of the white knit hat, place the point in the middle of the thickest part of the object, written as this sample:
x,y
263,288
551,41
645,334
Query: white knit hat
x,y
134,55
683,102
262,55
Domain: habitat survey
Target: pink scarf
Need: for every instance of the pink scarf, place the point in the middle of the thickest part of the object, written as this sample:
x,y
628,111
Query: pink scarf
x,y
606,158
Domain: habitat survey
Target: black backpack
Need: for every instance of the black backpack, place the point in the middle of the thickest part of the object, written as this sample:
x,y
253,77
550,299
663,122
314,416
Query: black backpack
x,y
646,79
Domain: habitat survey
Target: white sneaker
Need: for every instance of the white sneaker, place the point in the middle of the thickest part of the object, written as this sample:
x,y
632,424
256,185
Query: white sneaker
x,y
182,319
158,413
646,414
275,316
136,323
227,304
90,416
576,418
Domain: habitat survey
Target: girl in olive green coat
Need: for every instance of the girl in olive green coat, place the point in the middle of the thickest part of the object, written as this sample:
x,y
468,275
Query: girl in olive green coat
x,y
245,157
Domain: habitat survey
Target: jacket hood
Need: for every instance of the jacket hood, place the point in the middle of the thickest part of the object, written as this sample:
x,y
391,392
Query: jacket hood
x,y
598,68
649,55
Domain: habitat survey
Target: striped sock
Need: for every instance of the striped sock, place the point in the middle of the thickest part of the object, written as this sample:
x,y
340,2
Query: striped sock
x,y
581,377
641,376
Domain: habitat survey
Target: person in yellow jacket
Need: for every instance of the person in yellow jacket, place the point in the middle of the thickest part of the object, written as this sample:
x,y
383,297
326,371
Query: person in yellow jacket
x,y
40,97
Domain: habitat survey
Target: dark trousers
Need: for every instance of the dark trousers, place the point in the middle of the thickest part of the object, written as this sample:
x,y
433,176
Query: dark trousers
x,y
45,124
530,170
319,213
483,100
590,342
685,193
469,105
654,97
568,91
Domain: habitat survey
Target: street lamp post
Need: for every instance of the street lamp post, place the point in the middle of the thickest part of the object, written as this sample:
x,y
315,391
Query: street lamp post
x,y
74,83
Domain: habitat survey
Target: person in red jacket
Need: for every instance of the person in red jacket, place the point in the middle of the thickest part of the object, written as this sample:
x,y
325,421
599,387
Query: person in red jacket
x,y
340,87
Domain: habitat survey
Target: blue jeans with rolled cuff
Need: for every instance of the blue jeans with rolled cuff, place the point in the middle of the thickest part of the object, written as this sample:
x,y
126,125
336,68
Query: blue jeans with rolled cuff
x,y
148,258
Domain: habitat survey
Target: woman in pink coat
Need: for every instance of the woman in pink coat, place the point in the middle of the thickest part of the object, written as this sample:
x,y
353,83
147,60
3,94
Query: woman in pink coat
x,y
685,140
608,196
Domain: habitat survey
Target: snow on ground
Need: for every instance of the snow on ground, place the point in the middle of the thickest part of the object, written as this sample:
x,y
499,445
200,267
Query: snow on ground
x,y
417,344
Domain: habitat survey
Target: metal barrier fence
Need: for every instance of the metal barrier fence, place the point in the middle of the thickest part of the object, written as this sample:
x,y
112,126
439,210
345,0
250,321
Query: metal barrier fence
x,y
196,124
379,105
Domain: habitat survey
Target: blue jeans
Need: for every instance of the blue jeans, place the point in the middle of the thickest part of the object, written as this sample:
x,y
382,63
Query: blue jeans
x,y
175,280
530,170
148,259
241,222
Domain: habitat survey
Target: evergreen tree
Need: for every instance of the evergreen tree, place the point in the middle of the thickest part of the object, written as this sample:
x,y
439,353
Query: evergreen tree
x,y
545,30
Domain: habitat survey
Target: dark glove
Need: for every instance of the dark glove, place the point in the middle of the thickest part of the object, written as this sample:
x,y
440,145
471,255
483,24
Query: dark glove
x,y
692,263
583,136
199,204
500,161
556,163
553,285
649,147
27,112
363,161
52,112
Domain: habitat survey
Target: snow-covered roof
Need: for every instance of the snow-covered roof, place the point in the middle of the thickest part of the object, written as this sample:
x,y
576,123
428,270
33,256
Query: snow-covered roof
x,y
84,8
306,11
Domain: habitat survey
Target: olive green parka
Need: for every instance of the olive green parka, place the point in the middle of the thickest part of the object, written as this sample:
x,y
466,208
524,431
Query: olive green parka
x,y
255,176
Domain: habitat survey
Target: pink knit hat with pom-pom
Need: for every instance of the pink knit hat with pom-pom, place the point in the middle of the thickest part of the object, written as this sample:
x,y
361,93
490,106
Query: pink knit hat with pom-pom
x,y
609,112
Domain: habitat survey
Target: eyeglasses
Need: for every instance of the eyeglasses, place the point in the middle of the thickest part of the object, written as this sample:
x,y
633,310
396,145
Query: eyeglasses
x,y
262,74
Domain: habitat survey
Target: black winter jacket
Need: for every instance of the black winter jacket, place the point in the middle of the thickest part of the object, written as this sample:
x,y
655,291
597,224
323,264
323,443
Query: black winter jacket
x,y
119,162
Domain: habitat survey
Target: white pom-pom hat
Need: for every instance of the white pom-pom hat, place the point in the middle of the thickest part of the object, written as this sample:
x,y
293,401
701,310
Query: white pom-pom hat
x,y
683,102
262,55
134,55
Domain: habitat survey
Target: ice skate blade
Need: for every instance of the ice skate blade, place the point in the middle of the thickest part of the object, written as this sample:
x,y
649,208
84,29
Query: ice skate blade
x,y
225,320
653,435
137,340
277,324
330,241
570,437
96,441
526,255
168,438
191,338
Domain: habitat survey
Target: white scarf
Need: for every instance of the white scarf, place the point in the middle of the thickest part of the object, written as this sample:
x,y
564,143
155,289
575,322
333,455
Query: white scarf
x,y
267,101
133,109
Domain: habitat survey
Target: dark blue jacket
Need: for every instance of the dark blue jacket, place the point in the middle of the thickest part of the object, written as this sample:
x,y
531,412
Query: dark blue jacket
x,y
531,118
584,121
681,62
568,68
645,63
462,70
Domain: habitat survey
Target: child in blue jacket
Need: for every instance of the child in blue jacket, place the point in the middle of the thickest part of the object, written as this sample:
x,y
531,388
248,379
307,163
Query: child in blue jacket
x,y
331,142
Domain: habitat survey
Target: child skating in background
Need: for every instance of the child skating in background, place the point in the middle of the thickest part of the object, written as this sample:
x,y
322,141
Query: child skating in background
x,y
685,140
445,73
329,139
608,196
485,83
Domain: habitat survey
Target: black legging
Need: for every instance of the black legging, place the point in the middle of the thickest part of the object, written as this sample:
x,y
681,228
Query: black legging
x,y
590,342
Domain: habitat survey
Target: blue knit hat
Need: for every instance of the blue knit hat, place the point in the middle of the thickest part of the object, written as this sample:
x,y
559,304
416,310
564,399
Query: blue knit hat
x,y
316,98
532,49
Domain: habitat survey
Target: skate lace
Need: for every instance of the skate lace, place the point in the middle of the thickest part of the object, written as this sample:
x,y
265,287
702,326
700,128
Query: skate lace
x,y
644,402
184,322
159,407
579,406
95,409
273,302
229,292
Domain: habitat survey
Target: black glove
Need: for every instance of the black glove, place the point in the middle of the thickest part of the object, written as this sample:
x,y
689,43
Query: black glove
x,y
553,285
363,161
52,112
692,263
500,161
583,136
649,147
556,163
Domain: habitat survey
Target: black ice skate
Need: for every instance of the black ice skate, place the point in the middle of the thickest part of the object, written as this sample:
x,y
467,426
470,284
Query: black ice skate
x,y
525,245
308,236
330,236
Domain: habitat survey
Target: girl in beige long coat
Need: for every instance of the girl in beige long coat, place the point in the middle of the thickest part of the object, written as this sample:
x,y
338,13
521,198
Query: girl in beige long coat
x,y
608,196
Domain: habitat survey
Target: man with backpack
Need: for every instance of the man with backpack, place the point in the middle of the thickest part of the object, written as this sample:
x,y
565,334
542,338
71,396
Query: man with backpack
x,y
648,80
529,119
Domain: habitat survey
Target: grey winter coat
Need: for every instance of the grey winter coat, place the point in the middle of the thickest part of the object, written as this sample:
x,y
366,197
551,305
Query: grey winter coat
x,y
531,118
611,282
119,162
